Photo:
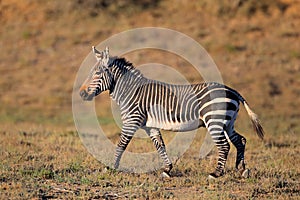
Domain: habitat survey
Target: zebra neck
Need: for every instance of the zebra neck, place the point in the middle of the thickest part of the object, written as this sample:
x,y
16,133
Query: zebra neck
x,y
126,87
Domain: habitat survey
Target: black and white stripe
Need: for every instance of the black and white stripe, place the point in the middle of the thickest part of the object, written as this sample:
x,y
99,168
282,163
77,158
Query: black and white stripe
x,y
153,105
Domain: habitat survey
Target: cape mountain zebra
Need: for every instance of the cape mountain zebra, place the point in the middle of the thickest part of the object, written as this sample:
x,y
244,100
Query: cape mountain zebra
x,y
153,105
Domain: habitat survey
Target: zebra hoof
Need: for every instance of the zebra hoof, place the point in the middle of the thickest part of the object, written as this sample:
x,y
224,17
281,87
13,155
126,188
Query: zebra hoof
x,y
246,173
165,175
213,176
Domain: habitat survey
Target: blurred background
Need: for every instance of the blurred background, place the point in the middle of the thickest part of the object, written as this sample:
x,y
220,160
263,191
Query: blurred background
x,y
255,44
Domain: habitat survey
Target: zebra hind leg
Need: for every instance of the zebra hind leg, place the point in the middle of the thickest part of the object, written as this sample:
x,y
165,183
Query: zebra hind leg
x,y
240,143
223,148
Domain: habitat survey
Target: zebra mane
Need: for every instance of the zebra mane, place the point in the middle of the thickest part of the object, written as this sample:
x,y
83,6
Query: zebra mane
x,y
123,65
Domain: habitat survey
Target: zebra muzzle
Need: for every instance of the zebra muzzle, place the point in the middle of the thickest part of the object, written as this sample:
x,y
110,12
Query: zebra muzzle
x,y
85,95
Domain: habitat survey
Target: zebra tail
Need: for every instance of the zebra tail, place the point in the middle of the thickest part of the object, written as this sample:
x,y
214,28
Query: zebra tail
x,y
255,121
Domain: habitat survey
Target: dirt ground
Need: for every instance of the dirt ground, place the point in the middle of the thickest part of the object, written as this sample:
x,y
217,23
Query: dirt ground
x,y
255,45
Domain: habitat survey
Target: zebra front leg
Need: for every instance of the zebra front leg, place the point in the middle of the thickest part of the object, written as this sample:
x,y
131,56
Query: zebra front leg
x,y
223,148
122,144
159,144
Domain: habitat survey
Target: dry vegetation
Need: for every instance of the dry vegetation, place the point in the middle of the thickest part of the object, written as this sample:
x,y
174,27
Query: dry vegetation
x,y
254,43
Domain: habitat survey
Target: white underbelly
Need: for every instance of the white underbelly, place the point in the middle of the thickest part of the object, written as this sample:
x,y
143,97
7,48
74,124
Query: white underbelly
x,y
174,126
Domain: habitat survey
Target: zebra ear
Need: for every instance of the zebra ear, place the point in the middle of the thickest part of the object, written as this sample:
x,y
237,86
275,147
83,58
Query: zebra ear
x,y
105,58
97,53
106,52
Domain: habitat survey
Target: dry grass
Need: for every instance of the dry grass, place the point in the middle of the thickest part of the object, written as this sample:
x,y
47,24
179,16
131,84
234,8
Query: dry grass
x,y
55,165
255,45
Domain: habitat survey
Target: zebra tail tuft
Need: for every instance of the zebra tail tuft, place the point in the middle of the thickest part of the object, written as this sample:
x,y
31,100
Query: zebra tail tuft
x,y
255,121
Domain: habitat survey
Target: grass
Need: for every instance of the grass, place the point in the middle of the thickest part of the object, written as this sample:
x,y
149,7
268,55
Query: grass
x,y
57,165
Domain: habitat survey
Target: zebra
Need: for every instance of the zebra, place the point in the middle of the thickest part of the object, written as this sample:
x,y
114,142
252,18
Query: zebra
x,y
153,106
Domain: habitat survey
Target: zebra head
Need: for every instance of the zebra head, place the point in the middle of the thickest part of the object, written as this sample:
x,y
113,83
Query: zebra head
x,y
99,78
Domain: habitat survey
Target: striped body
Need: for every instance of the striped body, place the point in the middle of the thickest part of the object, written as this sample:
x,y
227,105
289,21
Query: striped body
x,y
153,105
178,107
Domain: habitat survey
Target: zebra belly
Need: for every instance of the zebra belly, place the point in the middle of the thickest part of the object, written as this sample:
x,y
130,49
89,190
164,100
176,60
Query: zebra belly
x,y
175,126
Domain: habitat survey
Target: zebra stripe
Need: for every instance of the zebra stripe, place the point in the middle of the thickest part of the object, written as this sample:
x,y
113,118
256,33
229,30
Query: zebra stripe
x,y
153,105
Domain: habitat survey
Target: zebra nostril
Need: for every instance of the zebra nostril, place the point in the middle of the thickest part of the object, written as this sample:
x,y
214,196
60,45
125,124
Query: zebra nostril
x,y
83,93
